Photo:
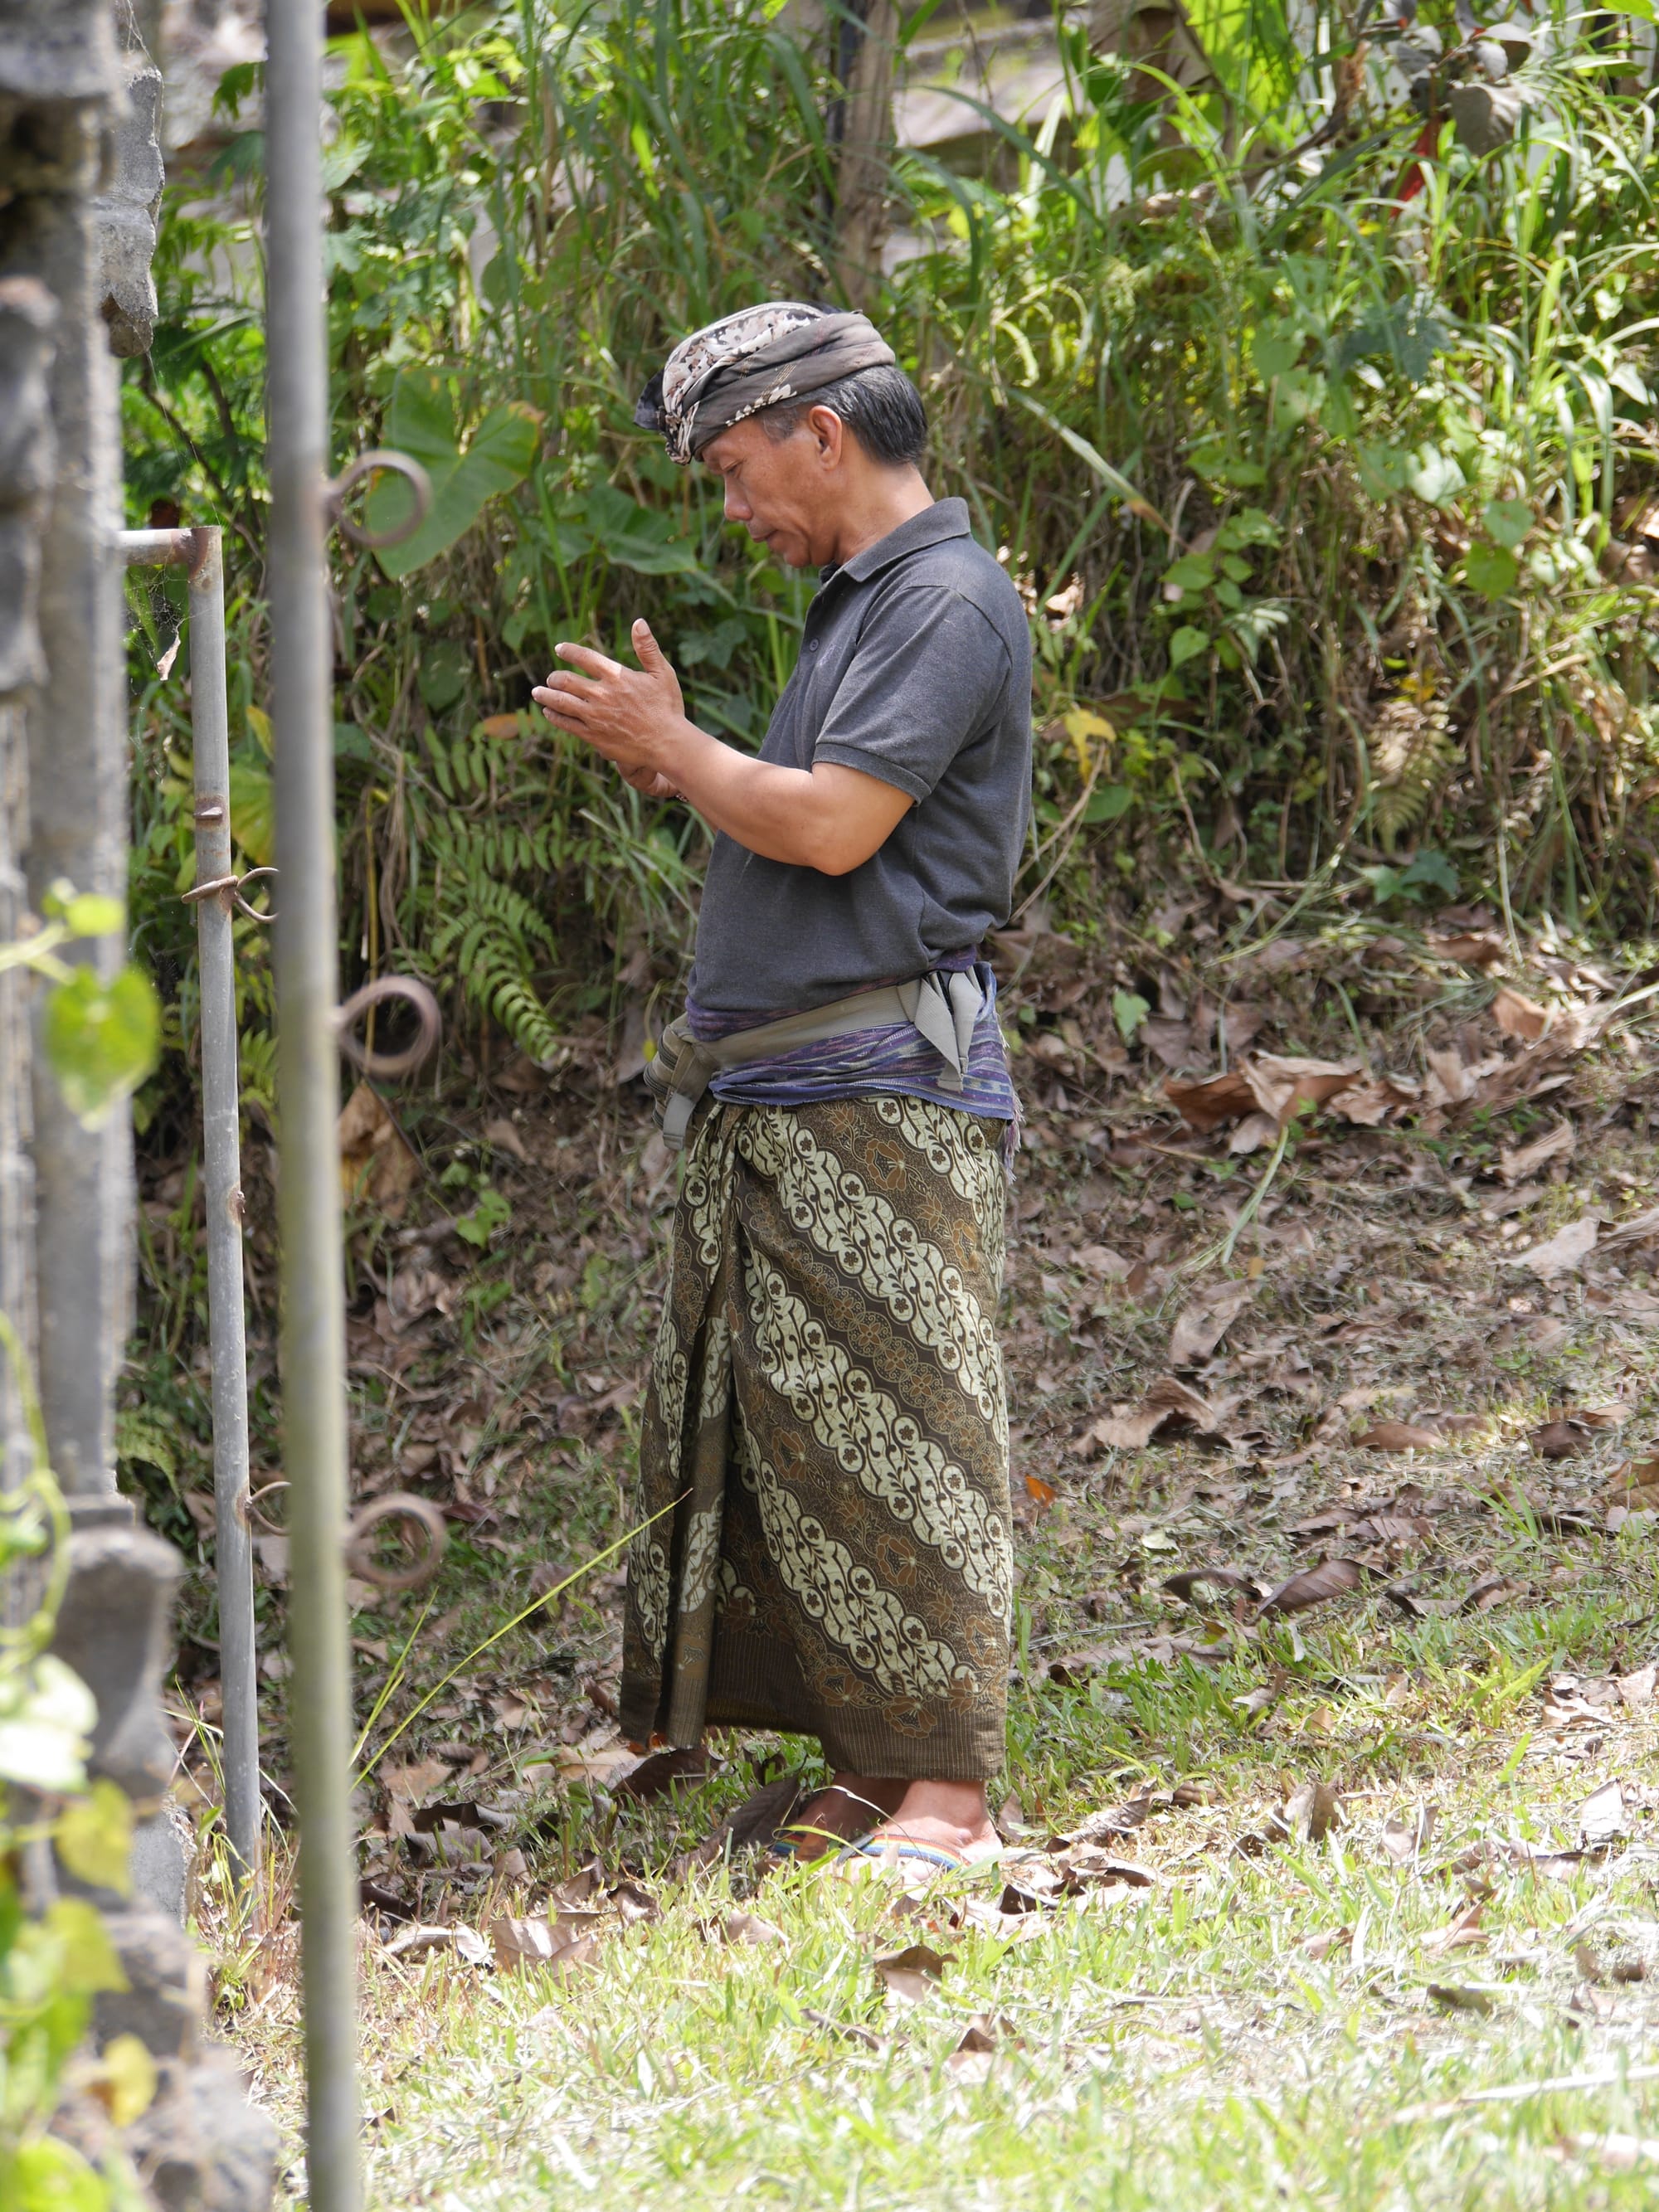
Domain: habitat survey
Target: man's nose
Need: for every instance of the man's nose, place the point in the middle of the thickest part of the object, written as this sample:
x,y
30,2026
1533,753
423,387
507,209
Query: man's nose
x,y
737,509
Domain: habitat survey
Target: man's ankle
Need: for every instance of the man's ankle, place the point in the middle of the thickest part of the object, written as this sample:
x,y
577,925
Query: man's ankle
x,y
957,1805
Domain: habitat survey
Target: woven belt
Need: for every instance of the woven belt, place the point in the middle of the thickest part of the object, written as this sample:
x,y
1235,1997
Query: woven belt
x,y
942,1008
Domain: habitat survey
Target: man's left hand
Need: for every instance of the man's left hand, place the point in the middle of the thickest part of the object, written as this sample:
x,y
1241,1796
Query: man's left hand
x,y
631,715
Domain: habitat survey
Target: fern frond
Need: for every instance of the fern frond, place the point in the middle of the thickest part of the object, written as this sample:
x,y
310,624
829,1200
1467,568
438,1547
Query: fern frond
x,y
1412,752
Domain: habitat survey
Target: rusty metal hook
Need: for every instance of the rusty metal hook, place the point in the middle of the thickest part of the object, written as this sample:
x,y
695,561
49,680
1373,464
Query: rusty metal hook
x,y
230,888
252,913
338,488
247,1509
397,1505
389,1064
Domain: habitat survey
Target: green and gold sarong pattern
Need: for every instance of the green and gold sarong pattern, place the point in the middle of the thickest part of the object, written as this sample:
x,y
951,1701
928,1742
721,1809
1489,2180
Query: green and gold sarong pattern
x,y
826,1417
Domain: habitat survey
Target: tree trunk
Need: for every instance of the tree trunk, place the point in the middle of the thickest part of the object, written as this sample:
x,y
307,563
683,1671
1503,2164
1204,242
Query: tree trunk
x,y
861,40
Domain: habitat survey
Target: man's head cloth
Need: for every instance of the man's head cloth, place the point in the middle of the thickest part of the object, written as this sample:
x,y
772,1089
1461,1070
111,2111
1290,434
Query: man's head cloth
x,y
785,350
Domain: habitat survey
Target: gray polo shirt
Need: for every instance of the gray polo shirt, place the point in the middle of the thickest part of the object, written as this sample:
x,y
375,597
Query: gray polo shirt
x,y
915,668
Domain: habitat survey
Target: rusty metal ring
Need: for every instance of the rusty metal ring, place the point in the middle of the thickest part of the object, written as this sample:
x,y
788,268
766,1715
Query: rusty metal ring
x,y
242,906
247,1508
389,1064
338,490
398,1505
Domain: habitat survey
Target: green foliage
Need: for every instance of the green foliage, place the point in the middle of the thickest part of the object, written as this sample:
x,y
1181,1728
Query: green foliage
x,y
55,1956
421,423
1429,876
1310,441
100,1037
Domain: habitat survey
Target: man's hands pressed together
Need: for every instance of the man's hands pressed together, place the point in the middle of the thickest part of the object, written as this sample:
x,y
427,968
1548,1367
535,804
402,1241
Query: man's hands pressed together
x,y
830,817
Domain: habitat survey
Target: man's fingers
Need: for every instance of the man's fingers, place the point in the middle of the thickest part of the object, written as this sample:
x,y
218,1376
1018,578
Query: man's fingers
x,y
566,692
652,656
585,658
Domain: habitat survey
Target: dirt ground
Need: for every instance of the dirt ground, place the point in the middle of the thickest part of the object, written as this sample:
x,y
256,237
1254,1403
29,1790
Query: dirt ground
x,y
1328,1319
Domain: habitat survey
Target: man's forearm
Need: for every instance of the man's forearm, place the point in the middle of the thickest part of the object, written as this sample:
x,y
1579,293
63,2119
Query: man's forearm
x,y
778,813
829,817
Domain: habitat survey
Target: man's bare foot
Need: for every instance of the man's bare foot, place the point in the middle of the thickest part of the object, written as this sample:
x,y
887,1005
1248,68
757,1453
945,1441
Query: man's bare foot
x,y
849,1808
942,1816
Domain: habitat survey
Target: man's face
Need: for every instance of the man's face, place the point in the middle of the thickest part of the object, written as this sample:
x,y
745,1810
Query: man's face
x,y
785,492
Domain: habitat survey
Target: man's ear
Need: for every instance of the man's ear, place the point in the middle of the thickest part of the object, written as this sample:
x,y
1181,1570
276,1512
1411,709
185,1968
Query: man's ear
x,y
829,431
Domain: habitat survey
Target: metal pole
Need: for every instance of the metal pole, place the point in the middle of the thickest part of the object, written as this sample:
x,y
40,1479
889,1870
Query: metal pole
x,y
201,551
314,1306
223,1168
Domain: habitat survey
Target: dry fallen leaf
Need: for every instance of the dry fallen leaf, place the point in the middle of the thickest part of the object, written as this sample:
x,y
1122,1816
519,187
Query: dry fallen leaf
x,y
542,1944
1637,1689
1462,1934
1168,1404
1334,1939
1313,1586
1217,1579
971,2059
1399,1436
1403,1840
1312,1811
1563,1254
1489,1591
1556,1144
742,1927
1562,1439
1520,1017
1266,1084
1200,1325
376,1159
664,1771
912,1974
1601,1816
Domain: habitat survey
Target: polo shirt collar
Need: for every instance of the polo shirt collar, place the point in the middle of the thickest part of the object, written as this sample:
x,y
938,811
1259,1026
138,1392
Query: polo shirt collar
x,y
945,518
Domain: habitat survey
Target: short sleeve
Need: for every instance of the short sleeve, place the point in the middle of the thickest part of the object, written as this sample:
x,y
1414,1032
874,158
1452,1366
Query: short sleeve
x,y
929,670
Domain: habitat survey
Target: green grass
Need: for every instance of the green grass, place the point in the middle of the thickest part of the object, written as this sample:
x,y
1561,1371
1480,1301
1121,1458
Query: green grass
x,y
1179,2046
1172,2047
1175,2046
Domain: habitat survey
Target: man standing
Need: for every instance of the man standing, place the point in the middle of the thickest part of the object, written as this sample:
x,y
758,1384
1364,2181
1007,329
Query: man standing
x,y
825,1441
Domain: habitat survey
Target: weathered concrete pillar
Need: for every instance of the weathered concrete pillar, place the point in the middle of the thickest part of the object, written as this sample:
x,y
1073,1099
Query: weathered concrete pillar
x,y
28,320
79,180
76,718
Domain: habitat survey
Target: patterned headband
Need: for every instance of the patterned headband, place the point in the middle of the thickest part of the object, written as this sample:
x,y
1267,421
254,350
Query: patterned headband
x,y
786,350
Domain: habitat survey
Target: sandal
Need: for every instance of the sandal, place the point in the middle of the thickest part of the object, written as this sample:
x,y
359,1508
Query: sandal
x,y
888,1853
784,1848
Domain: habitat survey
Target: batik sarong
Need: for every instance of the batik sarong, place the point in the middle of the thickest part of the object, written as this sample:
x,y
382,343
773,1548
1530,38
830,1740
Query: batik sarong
x,y
825,1457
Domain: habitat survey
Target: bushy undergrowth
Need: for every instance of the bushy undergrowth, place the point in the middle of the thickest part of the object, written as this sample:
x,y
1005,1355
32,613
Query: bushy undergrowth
x,y
1320,449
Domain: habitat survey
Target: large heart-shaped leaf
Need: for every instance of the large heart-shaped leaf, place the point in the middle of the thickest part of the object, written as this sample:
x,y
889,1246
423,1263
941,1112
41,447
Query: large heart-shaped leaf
x,y
422,423
634,537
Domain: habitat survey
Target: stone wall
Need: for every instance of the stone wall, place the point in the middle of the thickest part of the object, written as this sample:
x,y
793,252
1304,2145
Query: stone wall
x,y
80,178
